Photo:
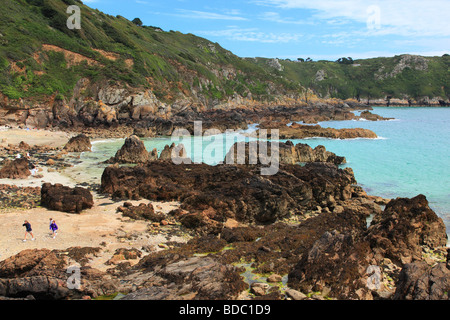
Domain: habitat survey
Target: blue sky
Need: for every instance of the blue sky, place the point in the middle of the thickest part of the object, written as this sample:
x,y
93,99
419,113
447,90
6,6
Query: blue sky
x,y
319,29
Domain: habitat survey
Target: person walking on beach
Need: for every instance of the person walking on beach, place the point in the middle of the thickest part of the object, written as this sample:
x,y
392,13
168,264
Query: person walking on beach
x,y
50,225
27,226
53,228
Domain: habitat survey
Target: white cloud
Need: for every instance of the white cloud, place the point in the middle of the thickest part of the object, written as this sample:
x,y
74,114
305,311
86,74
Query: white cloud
x,y
252,35
276,17
399,17
194,14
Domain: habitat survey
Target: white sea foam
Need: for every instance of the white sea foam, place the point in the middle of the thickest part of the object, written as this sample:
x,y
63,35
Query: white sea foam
x,y
106,141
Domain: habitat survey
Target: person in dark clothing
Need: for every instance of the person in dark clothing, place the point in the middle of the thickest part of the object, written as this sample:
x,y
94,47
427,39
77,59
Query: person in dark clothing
x,y
27,226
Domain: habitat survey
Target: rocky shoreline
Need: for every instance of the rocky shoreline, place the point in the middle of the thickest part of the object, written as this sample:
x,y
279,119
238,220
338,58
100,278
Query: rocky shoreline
x,y
308,232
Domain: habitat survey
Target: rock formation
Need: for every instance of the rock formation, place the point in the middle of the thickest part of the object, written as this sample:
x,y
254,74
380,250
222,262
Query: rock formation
x,y
15,169
132,151
244,153
79,143
228,191
66,199
420,281
299,131
345,260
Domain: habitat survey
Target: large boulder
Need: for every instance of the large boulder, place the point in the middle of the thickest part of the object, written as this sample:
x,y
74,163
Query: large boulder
x,y
79,143
404,228
15,169
141,212
66,199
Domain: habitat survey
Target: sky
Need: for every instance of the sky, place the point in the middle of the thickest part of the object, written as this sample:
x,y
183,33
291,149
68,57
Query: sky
x,y
291,29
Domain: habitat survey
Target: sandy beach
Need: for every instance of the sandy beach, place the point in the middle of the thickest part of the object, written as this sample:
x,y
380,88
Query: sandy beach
x,y
100,226
33,137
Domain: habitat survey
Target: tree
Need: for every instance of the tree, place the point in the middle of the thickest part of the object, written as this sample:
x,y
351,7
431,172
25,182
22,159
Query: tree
x,y
137,22
345,60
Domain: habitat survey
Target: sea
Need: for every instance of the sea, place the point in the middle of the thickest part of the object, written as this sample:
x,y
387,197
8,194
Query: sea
x,y
411,155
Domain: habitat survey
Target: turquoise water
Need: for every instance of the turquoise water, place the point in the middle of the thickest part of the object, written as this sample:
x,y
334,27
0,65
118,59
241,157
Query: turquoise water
x,y
411,156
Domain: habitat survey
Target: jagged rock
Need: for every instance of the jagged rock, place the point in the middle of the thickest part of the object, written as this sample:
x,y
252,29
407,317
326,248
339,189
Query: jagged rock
x,y
295,295
15,169
169,152
132,151
66,199
79,143
372,117
345,260
250,153
42,273
404,228
199,278
237,192
419,281
142,212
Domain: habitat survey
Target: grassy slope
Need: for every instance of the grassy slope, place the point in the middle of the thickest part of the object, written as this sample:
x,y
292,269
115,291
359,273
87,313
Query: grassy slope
x,y
172,62
349,81
167,62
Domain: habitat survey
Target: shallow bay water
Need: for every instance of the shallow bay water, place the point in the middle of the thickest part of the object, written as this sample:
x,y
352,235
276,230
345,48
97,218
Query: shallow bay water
x,y
410,157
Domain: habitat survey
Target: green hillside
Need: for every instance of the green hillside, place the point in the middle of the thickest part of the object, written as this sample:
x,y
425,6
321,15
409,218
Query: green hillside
x,y
41,57
167,62
403,76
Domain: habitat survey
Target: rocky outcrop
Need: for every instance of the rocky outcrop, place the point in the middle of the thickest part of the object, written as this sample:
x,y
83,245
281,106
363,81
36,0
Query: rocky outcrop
x,y
44,275
193,278
169,152
420,281
15,169
251,153
299,131
79,143
141,212
349,262
66,199
404,228
227,191
367,115
132,151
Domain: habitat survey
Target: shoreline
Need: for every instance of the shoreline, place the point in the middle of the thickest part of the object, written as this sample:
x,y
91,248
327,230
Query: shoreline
x,y
105,226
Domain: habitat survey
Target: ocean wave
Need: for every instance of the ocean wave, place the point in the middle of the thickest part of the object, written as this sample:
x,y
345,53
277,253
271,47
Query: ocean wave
x,y
112,140
350,139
